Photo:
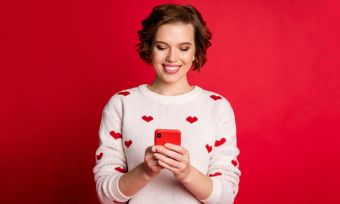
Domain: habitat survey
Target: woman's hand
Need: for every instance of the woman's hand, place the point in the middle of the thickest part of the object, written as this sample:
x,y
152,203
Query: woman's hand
x,y
150,164
176,159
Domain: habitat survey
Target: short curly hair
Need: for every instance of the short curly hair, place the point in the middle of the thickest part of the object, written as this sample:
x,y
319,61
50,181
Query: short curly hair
x,y
174,13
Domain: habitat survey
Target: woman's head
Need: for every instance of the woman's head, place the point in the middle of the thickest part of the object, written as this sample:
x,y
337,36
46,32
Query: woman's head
x,y
171,14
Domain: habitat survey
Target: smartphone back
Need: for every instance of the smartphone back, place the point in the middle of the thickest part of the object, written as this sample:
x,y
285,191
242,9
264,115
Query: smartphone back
x,y
163,136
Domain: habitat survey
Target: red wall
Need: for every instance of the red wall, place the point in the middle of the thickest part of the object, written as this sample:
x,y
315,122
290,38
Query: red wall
x,y
276,61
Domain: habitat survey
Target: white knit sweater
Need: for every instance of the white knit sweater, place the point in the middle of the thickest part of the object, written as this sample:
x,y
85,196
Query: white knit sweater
x,y
206,121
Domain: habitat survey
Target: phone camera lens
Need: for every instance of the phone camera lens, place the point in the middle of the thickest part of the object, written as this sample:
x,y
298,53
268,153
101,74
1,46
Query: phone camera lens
x,y
159,135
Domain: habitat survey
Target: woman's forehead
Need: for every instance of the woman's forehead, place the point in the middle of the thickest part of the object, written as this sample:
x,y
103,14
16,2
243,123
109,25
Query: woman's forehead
x,y
178,33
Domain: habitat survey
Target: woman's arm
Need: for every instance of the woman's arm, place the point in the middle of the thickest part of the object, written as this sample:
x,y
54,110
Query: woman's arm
x,y
133,181
198,184
110,158
113,185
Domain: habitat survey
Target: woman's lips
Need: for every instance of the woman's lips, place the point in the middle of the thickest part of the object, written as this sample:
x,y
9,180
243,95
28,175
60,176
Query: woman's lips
x,y
171,69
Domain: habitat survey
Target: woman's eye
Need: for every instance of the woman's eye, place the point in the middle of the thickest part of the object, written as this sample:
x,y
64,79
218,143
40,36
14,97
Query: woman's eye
x,y
184,49
160,48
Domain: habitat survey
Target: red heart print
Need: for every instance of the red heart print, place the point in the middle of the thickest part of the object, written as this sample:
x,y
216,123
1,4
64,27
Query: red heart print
x,y
220,142
99,156
115,135
215,174
209,148
147,118
192,119
215,97
124,93
119,169
234,162
128,143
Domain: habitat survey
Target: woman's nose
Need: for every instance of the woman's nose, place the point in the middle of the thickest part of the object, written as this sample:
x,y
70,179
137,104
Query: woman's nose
x,y
171,57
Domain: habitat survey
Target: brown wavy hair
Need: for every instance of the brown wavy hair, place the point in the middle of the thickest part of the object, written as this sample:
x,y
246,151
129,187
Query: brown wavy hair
x,y
174,13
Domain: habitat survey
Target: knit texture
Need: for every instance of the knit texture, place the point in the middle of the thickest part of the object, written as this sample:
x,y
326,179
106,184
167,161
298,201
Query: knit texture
x,y
208,131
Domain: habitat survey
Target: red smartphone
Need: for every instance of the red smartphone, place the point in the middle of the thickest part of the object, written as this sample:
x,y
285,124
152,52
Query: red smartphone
x,y
163,136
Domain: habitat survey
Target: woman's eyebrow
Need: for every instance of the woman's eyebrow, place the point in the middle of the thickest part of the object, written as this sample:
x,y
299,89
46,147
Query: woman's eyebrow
x,y
183,43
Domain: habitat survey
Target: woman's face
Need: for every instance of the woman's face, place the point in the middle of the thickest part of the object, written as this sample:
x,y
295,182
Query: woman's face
x,y
173,52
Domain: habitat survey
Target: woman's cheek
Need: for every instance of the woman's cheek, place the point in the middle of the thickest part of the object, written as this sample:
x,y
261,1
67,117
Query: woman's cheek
x,y
159,55
188,57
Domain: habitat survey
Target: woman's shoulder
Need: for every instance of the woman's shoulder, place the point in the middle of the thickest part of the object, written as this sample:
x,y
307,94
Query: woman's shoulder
x,y
218,101
214,96
125,92
118,96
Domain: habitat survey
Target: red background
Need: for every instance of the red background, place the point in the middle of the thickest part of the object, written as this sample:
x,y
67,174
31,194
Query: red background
x,y
276,61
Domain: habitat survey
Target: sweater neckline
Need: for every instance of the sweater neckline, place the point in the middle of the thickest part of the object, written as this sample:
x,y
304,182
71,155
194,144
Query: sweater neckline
x,y
176,99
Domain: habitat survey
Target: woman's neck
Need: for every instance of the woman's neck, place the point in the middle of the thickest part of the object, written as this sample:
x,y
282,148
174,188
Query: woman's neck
x,y
170,89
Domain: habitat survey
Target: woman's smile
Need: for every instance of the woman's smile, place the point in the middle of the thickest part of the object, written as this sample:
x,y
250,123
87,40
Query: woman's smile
x,y
171,69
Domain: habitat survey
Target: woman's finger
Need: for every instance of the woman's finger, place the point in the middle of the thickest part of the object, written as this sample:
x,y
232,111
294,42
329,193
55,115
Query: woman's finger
x,y
169,153
166,166
169,161
176,148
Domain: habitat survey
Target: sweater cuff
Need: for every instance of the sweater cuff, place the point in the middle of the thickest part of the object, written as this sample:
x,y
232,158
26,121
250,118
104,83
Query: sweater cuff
x,y
216,192
119,196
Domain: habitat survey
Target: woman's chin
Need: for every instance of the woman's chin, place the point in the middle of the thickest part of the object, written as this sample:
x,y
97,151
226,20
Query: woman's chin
x,y
170,80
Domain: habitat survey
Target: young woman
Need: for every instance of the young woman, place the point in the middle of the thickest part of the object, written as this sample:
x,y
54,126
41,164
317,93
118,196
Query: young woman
x,y
204,168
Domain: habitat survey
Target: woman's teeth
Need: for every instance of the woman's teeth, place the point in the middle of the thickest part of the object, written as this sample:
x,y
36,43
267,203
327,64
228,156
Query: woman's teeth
x,y
171,69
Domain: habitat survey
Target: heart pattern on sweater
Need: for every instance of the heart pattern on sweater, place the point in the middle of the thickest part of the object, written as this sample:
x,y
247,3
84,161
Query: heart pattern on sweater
x,y
215,174
191,119
128,143
209,148
124,93
234,162
147,118
215,97
99,156
220,142
121,170
115,135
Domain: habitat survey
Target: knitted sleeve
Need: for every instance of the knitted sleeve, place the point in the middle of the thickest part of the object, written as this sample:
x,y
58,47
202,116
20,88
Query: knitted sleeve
x,y
223,168
110,157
